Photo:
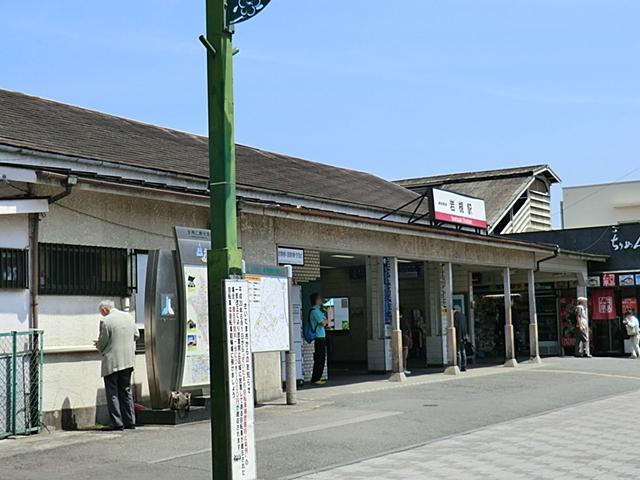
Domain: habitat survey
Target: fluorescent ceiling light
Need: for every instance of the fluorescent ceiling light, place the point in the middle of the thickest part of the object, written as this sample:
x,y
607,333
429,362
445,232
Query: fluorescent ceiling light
x,y
405,261
326,267
500,295
348,257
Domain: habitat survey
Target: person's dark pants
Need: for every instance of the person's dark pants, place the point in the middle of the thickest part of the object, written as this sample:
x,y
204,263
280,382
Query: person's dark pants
x,y
319,357
119,398
462,355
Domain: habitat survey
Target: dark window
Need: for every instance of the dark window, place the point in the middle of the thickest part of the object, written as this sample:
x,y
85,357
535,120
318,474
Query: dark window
x,y
84,270
14,268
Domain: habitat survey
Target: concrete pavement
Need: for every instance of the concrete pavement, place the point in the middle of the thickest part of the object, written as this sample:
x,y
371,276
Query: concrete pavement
x,y
389,426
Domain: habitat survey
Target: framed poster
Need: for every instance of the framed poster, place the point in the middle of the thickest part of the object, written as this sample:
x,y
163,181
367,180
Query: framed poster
x,y
608,279
627,280
458,301
593,281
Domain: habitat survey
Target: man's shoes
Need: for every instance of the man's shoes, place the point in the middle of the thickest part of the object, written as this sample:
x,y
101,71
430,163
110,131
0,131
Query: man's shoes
x,y
111,428
407,372
130,427
463,369
319,382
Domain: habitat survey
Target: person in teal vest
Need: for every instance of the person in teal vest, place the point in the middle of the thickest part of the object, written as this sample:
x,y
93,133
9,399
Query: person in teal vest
x,y
318,321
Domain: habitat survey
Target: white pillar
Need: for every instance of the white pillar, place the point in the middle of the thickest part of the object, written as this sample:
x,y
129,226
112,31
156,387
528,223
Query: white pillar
x,y
509,344
534,345
452,368
396,334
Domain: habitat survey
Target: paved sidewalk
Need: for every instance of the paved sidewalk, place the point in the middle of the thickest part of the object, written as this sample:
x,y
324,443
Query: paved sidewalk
x,y
588,441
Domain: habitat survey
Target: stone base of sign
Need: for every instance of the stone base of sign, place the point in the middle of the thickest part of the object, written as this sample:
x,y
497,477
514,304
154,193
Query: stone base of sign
x,y
172,417
511,363
535,360
454,370
398,377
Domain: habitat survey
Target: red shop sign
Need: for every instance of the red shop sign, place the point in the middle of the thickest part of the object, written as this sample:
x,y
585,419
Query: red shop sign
x,y
603,304
629,305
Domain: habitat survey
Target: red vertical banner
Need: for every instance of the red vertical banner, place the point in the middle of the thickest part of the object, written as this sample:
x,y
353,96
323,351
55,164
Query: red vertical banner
x,y
603,304
629,305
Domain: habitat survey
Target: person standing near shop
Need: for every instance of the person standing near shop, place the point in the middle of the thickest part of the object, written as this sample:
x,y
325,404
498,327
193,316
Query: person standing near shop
x,y
318,321
633,330
582,329
116,343
460,322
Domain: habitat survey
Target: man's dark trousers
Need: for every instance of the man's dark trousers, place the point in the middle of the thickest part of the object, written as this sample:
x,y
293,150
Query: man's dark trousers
x,y
119,398
319,357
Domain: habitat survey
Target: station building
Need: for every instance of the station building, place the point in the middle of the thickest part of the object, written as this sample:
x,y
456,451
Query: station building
x,y
85,196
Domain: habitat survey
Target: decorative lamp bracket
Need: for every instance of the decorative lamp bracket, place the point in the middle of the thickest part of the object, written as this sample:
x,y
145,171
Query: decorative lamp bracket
x,y
242,10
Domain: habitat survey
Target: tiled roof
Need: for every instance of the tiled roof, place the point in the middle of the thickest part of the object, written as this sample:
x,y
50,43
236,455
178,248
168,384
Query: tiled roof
x,y
498,188
47,126
466,177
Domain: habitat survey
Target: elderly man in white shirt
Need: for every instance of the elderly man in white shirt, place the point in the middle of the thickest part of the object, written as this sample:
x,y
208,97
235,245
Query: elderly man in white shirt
x,y
633,330
582,328
116,343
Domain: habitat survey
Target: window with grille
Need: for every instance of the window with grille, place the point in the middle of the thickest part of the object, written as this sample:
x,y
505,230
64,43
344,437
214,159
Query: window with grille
x,y
85,270
14,268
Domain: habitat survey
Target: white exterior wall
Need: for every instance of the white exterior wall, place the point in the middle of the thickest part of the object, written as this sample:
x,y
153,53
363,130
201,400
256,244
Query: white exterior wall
x,y
72,366
15,305
599,205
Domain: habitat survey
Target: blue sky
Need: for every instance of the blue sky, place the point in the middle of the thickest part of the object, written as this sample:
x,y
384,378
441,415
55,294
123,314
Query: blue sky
x,y
401,89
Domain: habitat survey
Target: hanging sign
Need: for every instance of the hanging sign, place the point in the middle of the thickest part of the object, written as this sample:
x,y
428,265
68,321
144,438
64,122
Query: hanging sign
x,y
630,305
240,375
290,256
451,207
603,304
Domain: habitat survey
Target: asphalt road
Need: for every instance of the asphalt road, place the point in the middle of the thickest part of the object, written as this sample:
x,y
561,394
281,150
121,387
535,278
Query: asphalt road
x,y
330,426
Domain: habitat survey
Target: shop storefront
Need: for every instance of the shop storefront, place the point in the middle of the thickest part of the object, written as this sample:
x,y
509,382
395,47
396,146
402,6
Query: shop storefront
x,y
613,287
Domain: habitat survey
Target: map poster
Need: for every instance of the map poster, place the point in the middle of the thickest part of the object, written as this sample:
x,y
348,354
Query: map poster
x,y
240,377
196,362
269,313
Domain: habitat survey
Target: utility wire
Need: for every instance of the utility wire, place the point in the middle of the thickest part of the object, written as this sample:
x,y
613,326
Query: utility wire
x,y
589,195
111,222
95,217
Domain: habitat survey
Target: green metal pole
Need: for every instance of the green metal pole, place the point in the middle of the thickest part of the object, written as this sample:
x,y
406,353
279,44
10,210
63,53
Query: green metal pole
x,y
14,383
225,259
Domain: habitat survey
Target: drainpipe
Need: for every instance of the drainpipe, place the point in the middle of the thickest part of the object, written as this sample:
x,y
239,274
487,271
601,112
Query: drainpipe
x,y
34,220
556,252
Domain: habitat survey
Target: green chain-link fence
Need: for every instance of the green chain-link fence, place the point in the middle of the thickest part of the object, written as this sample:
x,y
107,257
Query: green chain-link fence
x,y
20,382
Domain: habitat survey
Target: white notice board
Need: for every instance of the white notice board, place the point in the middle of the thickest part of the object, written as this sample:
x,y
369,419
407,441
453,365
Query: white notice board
x,y
269,313
240,375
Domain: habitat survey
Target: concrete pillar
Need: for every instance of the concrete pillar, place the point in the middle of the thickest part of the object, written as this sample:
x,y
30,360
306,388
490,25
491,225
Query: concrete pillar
x,y
396,334
534,345
452,359
509,343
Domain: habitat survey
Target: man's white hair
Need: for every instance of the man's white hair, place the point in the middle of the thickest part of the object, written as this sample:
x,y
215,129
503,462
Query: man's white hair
x,y
582,299
108,304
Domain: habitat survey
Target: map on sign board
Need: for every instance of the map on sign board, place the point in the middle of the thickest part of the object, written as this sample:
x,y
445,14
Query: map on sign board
x,y
196,363
269,313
